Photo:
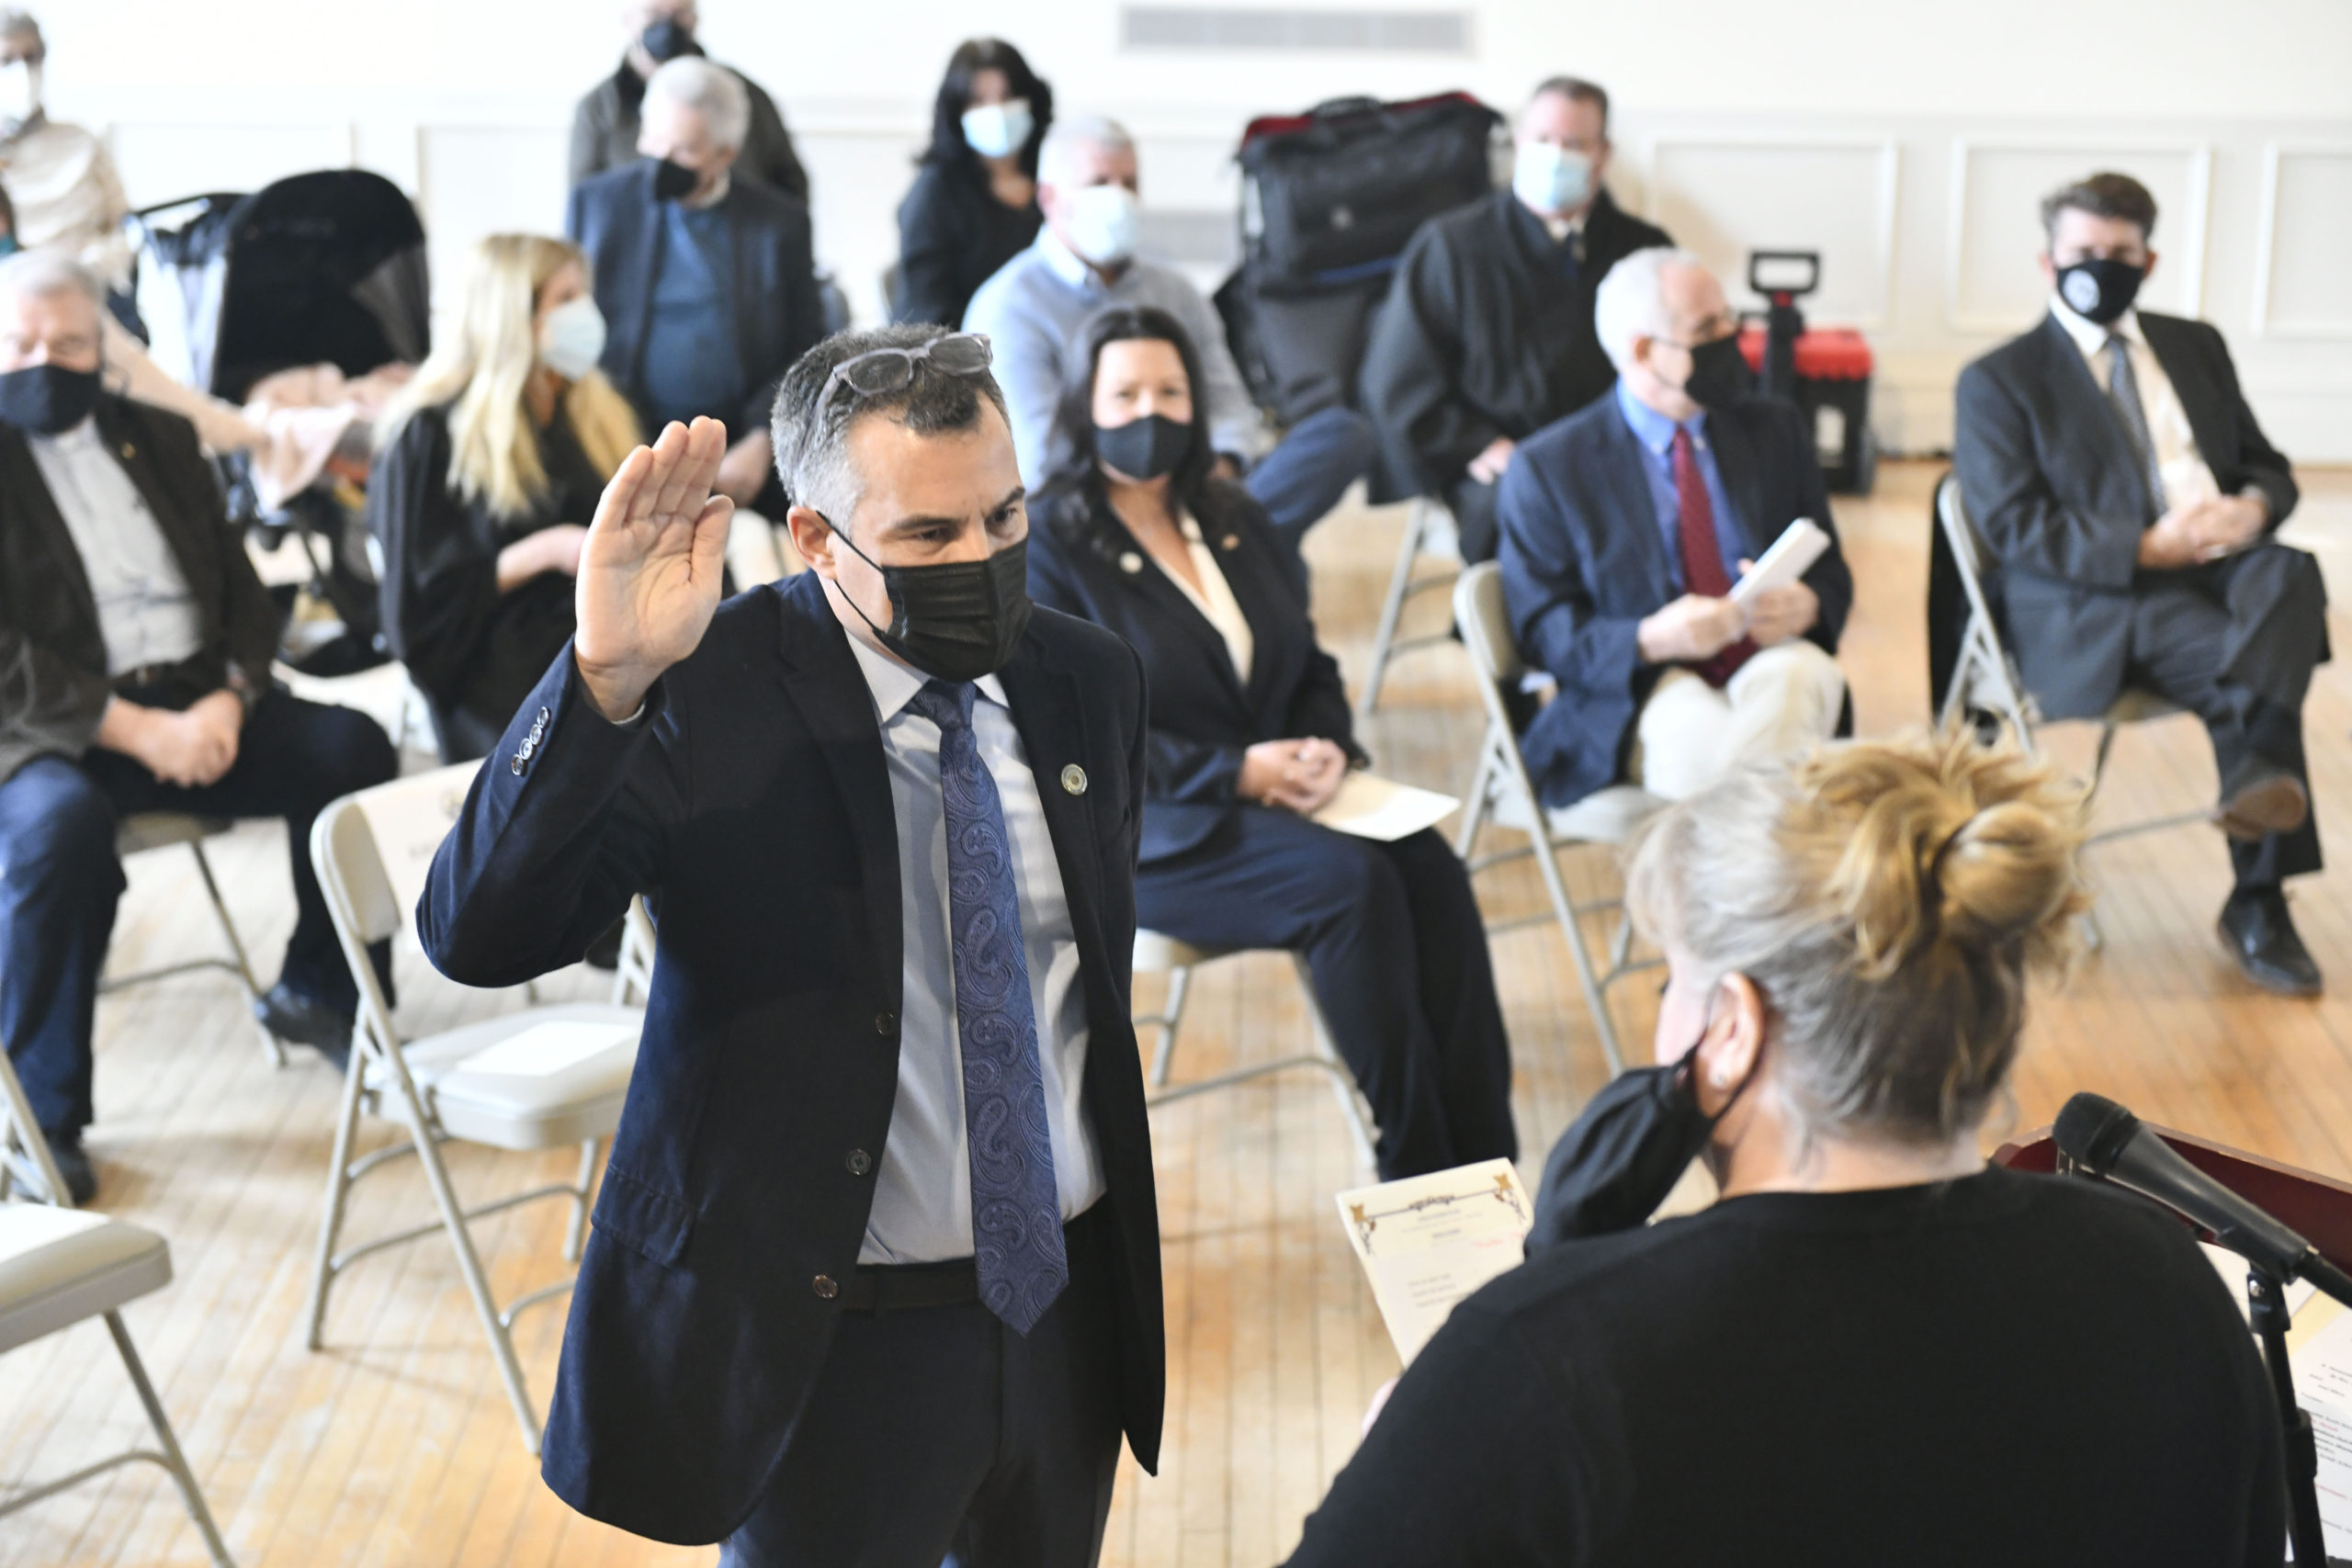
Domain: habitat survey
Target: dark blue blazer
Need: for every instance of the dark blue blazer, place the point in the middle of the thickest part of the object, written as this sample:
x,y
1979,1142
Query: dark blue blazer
x,y
1583,562
753,806
778,313
1083,561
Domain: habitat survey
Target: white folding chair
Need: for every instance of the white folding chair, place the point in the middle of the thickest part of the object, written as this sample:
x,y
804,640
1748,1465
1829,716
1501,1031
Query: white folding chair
x,y
542,1078
1502,793
1428,530
61,1265
1985,679
160,831
633,974
1155,954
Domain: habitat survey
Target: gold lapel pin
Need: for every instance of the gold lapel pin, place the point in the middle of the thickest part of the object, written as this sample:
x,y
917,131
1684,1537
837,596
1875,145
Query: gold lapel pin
x,y
1074,779
1231,541
1130,563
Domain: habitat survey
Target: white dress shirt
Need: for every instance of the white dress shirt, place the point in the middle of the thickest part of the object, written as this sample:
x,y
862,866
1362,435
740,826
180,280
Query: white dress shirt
x,y
1214,599
2186,479
923,1194
146,614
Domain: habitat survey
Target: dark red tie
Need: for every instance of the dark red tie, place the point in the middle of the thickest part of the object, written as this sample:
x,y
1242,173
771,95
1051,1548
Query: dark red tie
x,y
1702,559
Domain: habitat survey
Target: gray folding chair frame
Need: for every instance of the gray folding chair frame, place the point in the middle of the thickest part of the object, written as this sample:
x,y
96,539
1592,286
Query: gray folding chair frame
x,y
1176,960
1986,677
160,831
363,911
25,1164
1603,821
1404,583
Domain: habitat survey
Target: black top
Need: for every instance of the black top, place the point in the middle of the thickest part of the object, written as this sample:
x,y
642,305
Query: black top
x,y
953,236
473,651
2014,1370
1203,716
1488,330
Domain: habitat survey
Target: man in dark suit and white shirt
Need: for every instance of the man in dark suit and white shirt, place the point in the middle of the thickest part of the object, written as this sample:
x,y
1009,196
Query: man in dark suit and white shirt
x,y
1623,529
877,1257
2116,475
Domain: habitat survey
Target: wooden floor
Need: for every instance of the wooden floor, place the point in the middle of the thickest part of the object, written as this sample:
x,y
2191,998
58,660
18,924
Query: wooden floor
x,y
395,1445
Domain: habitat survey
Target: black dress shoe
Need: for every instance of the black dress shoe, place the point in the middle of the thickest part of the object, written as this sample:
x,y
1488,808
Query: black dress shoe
x,y
2259,934
305,1020
81,1179
2260,800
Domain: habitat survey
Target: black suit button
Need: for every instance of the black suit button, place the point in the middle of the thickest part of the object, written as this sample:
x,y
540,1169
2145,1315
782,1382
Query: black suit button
x,y
825,1288
885,1021
859,1161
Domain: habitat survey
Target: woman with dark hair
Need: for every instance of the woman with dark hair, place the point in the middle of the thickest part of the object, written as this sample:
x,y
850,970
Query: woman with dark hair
x,y
974,203
1251,735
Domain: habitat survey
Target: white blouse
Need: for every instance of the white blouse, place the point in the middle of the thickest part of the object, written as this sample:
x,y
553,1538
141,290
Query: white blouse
x,y
1214,599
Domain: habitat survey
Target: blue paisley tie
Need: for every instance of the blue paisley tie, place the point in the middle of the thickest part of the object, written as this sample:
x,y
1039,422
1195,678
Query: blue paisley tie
x,y
1016,1208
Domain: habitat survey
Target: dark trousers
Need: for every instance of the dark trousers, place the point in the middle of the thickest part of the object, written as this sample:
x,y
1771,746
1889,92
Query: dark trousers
x,y
1398,952
2234,642
1303,477
60,879
932,1428
1472,501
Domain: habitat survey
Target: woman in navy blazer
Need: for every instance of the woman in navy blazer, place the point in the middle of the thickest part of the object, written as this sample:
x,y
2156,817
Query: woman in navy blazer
x,y
1250,732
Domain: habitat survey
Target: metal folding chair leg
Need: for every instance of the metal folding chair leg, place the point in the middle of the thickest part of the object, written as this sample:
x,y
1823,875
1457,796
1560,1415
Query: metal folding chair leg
x,y
1402,586
237,965
171,1458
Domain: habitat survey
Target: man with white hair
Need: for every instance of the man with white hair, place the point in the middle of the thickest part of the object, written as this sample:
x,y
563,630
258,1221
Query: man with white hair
x,y
1487,335
604,125
708,282
135,648
1088,181
1624,528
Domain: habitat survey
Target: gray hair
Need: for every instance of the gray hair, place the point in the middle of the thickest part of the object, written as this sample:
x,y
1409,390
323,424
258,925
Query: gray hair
x,y
41,274
18,23
1073,133
812,443
1631,301
712,91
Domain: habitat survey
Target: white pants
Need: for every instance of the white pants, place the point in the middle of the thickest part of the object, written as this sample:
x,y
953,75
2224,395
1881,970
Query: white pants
x,y
1784,700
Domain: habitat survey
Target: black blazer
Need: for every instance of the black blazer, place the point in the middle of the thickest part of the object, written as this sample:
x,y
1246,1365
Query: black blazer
x,y
605,123
752,803
2055,493
1083,561
53,682
953,236
778,313
1583,562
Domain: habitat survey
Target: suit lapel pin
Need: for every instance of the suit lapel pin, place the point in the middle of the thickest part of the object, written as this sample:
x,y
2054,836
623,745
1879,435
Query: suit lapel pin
x,y
1074,779
1130,563
1230,542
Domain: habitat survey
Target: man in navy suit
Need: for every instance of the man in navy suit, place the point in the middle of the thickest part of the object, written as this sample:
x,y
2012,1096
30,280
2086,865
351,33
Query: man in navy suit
x,y
706,276
875,1267
1624,528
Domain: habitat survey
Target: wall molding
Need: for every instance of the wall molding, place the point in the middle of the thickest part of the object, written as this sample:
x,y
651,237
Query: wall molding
x,y
2275,154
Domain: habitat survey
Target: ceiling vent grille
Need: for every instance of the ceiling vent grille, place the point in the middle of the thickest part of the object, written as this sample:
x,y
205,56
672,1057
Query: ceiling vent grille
x,y
1266,27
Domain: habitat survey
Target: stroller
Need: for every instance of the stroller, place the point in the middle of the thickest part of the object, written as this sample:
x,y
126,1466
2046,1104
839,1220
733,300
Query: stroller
x,y
324,268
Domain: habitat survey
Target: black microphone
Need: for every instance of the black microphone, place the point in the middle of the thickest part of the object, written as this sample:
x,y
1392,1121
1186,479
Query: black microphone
x,y
2109,1141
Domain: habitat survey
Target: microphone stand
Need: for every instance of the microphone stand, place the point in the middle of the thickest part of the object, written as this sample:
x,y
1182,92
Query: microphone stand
x,y
2266,1300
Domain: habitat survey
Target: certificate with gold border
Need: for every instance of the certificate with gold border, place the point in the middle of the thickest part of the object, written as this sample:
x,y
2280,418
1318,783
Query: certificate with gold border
x,y
1427,1241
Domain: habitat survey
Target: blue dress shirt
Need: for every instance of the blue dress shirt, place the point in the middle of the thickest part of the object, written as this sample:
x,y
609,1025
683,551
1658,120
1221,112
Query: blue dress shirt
x,y
690,366
1654,434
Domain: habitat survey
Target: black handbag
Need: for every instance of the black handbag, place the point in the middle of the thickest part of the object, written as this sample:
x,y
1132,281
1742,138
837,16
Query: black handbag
x,y
1334,194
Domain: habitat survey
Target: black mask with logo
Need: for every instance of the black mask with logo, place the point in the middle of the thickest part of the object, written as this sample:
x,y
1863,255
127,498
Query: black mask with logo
x,y
673,182
47,399
1719,374
665,41
2101,289
1144,448
958,620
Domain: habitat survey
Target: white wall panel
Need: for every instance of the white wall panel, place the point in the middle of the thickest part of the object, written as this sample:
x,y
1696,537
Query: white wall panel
x,y
1995,223
162,161
1728,194
2303,256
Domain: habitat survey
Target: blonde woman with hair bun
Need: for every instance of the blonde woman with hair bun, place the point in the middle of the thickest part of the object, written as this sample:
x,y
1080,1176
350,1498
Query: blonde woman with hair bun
x,y
490,463
1873,1348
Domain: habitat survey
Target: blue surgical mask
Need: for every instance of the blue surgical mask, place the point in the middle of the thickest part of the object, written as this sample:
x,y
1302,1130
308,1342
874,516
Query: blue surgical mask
x,y
7,244
1100,222
571,338
1550,178
999,131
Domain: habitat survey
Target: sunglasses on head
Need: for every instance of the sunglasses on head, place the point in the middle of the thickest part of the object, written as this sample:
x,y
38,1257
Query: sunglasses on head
x,y
881,371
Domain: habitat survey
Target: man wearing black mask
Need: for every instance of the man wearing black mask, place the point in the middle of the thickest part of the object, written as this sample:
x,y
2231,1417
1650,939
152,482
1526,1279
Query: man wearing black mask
x,y
1624,528
706,280
604,125
876,1260
135,648
2117,476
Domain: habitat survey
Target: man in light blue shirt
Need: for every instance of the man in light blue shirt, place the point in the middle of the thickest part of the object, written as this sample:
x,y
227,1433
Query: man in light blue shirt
x,y
1083,259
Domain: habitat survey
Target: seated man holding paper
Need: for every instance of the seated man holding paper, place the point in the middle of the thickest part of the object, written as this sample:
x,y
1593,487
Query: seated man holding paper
x,y
1251,736
1624,528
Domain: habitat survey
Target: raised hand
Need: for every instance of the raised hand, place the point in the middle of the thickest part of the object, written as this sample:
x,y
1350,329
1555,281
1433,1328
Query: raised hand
x,y
649,568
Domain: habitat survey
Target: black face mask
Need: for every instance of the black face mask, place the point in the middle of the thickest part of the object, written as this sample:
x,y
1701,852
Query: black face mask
x,y
665,41
1143,449
673,182
958,620
1719,374
2100,290
47,399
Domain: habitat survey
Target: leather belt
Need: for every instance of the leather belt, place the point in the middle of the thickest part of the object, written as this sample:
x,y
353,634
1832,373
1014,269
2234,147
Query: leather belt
x,y
897,1287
